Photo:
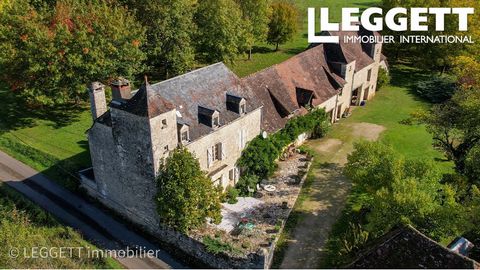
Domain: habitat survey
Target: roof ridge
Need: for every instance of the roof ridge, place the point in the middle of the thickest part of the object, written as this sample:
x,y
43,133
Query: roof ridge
x,y
190,72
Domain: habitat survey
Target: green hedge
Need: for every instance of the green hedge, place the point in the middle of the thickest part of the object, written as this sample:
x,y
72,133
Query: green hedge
x,y
259,158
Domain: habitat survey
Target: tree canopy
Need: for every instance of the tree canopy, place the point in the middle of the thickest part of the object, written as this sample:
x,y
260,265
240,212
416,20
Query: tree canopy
x,y
186,196
222,33
49,56
283,23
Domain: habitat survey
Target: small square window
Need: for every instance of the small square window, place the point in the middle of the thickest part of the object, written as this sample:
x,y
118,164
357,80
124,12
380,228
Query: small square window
x,y
165,149
164,123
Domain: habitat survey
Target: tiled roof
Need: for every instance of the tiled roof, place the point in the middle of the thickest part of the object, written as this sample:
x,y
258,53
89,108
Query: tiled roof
x,y
308,70
349,52
206,87
407,248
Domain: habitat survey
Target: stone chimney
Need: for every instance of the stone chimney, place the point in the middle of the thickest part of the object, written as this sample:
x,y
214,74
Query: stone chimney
x,y
98,103
121,89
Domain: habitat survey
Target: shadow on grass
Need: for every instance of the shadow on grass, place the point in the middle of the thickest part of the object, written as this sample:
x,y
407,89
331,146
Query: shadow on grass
x,y
64,172
16,114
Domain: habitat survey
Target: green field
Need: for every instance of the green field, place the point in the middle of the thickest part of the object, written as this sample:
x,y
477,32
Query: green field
x,y
265,55
391,105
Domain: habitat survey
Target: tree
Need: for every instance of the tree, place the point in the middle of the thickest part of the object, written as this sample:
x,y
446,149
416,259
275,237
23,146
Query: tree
x,y
436,89
283,23
383,78
472,165
169,47
48,57
437,56
373,166
402,191
257,12
186,196
221,34
455,125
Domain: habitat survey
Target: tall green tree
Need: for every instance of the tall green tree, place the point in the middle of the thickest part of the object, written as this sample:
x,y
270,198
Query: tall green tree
x,y
48,57
186,196
283,23
169,47
221,34
257,13
455,125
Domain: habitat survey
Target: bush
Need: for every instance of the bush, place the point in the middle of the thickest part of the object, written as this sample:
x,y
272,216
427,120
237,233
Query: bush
x,y
259,158
437,89
231,195
216,246
247,181
383,78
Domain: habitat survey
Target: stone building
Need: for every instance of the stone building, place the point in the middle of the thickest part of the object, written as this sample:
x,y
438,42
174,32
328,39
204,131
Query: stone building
x,y
214,114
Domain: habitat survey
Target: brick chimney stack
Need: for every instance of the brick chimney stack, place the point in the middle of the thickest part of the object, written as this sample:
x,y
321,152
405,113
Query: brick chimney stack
x,y
121,89
98,102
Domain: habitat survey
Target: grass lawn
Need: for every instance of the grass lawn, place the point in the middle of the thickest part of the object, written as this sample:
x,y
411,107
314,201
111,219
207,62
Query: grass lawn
x,y
390,106
264,54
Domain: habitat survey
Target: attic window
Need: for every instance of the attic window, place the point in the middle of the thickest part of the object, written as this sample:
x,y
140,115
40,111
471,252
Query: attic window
x,y
236,104
183,133
164,123
215,121
208,117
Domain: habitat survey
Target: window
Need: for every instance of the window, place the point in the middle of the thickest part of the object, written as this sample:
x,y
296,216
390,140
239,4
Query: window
x,y
215,121
164,123
217,152
184,136
369,75
243,109
231,175
165,149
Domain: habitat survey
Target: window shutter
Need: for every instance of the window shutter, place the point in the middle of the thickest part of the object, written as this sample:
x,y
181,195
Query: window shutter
x,y
209,157
222,146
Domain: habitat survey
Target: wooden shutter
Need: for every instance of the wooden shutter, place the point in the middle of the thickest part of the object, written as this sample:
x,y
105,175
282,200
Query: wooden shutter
x,y
223,151
209,157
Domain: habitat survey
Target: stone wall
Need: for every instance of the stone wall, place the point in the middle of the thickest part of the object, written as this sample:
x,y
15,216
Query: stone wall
x,y
229,136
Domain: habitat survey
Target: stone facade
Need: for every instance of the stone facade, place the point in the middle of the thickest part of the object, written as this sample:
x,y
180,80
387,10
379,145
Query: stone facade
x,y
214,114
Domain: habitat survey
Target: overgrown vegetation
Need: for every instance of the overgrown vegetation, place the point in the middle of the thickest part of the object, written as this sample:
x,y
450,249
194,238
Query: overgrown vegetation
x,y
186,197
391,190
259,158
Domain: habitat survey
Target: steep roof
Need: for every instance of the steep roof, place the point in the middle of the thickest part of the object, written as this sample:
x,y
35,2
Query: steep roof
x,y
205,87
349,52
407,248
277,86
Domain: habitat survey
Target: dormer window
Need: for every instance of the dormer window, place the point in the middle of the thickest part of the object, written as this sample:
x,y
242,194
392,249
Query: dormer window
x,y
183,133
215,121
236,104
208,117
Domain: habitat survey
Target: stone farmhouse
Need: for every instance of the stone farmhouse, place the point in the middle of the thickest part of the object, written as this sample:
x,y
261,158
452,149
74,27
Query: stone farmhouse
x,y
214,114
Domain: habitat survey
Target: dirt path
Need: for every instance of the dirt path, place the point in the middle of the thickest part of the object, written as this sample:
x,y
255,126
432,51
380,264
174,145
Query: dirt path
x,y
326,198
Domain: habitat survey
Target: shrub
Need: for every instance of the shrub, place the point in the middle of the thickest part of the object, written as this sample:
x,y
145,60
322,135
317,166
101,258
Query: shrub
x,y
216,246
231,195
383,78
247,181
436,90
260,155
